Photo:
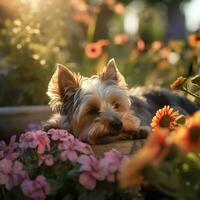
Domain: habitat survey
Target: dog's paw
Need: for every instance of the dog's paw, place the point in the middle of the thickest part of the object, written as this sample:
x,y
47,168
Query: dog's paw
x,y
141,133
111,139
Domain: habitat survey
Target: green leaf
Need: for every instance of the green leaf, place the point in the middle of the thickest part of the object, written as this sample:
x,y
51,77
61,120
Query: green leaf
x,y
196,80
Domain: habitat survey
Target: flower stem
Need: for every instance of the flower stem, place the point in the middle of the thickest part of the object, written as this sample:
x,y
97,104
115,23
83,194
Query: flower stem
x,y
187,91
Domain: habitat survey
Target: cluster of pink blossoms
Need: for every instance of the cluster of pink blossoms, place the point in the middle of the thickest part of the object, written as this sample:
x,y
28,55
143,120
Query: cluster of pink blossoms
x,y
9,151
50,149
98,169
37,189
36,140
12,172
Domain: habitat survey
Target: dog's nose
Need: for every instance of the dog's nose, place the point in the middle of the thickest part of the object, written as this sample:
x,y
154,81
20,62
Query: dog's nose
x,y
116,125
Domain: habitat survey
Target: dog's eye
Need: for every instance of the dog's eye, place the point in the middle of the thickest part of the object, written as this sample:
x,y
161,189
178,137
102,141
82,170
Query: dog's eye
x,y
116,105
93,111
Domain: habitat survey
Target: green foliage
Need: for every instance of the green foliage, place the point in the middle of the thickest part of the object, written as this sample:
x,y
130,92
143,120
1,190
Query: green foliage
x,y
177,175
167,2
190,86
30,47
26,59
32,44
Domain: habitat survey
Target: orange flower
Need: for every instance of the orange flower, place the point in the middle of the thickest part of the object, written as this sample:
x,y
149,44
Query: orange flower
x,y
156,45
140,45
188,137
194,120
165,118
103,42
110,3
178,83
121,39
119,8
152,153
194,40
94,50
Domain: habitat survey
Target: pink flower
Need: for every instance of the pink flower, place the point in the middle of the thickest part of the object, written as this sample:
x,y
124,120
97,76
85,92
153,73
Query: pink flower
x,y
33,127
91,171
87,181
46,159
37,189
68,150
9,151
37,139
115,158
42,142
83,147
111,163
61,135
28,140
5,169
11,173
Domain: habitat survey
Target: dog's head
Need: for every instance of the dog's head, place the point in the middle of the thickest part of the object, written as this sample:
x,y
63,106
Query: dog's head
x,y
92,108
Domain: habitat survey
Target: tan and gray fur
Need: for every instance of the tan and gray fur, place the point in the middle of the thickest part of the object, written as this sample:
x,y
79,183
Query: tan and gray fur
x,y
101,109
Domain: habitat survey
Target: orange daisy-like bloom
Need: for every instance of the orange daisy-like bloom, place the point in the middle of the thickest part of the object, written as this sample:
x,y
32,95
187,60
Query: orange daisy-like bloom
x,y
152,153
178,83
188,137
94,50
165,118
121,39
194,40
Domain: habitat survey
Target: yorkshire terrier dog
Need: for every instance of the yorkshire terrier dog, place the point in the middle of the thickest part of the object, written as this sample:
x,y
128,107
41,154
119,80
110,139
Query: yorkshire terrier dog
x,y
101,109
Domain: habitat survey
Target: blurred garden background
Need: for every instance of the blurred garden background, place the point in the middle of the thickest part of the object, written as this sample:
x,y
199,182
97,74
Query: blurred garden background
x,y
153,42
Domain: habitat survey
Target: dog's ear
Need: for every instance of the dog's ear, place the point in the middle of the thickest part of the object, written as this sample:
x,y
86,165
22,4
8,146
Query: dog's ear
x,y
111,72
63,84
